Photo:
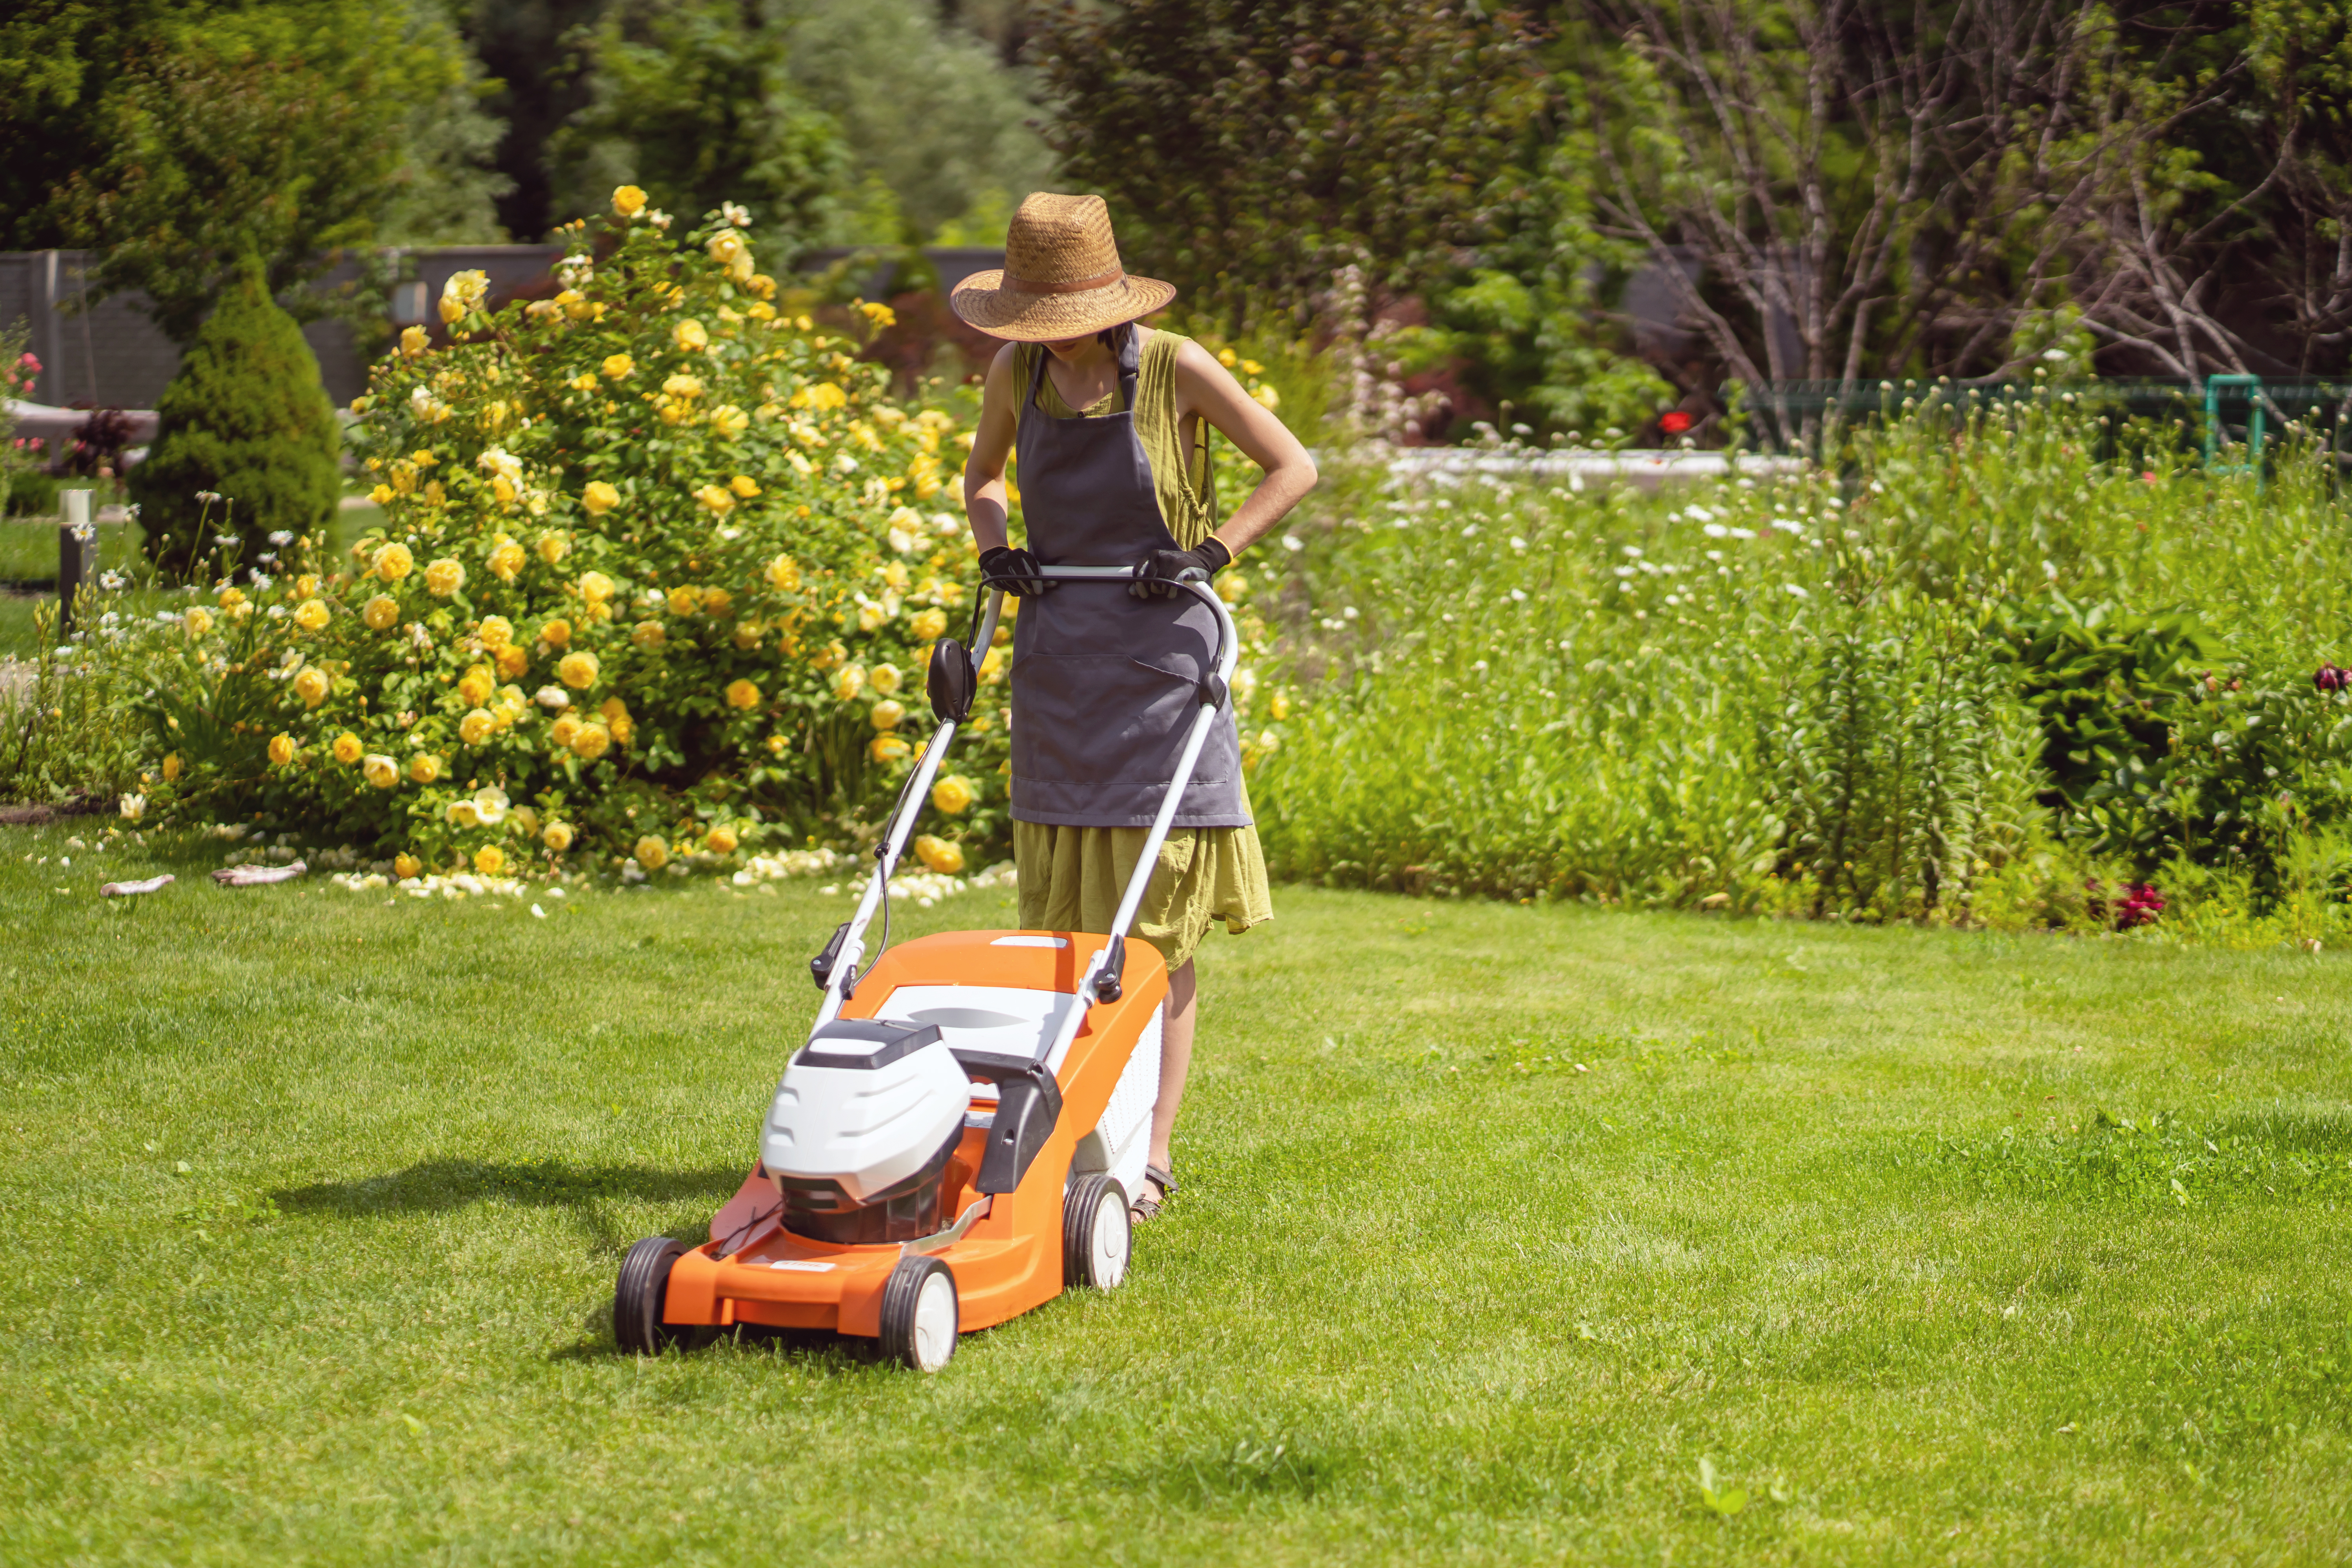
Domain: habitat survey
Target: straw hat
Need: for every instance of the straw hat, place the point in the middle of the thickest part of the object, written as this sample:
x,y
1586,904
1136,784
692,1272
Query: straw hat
x,y
1061,277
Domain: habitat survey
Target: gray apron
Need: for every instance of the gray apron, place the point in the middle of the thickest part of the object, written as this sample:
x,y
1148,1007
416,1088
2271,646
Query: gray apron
x,y
1105,685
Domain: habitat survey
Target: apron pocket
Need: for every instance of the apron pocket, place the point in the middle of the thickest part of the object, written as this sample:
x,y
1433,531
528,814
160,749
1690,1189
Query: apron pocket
x,y
1098,718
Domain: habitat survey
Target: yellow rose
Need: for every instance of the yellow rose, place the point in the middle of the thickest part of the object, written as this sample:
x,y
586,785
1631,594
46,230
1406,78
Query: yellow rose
x,y
887,714
512,660
495,632
383,772
423,767
172,767
312,686
281,749
590,741
382,495
648,634
941,855
613,709
690,336
624,730
784,573
527,820
382,612
595,587
744,486
652,853
729,421
414,341
477,727
721,841
619,366
887,749
230,599
718,601
717,497
685,601
728,250
405,866
507,561
929,625
598,498
577,670
489,860
884,679
556,633
564,727
199,621
742,694
476,687
463,814
849,682
347,749
552,546
557,836
628,200
748,635
444,577
393,562
306,586
465,291
312,616
953,795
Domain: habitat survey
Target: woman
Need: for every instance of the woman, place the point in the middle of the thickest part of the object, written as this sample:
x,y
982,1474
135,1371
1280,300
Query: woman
x,y
1104,417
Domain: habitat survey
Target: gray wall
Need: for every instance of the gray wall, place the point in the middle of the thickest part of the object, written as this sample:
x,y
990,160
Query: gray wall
x,y
114,357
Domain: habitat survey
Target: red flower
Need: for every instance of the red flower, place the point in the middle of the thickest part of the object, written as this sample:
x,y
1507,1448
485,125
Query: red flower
x,y
1673,421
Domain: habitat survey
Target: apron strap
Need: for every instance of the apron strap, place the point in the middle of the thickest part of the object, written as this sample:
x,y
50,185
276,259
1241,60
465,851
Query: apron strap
x,y
1128,364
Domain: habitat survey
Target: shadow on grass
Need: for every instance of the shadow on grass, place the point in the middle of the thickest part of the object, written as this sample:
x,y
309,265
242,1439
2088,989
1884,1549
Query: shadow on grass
x,y
432,1186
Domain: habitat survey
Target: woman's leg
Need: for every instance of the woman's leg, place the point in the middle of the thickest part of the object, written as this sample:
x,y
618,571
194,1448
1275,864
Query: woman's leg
x,y
1175,1060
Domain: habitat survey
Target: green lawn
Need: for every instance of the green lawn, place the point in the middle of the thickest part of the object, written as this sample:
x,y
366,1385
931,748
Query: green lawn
x,y
317,1204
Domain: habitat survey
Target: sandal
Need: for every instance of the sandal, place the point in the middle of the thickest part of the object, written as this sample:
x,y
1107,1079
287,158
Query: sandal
x,y
1159,1187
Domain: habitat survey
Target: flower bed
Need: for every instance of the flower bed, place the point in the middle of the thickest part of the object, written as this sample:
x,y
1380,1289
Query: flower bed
x,y
659,577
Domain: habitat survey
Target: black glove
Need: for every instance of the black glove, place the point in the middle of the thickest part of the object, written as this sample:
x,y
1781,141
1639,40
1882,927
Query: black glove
x,y
1014,571
1158,574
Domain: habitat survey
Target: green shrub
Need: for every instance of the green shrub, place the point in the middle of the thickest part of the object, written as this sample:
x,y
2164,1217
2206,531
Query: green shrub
x,y
1875,692
246,419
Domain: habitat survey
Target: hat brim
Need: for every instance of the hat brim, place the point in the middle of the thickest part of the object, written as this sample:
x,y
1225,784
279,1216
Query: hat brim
x,y
1018,316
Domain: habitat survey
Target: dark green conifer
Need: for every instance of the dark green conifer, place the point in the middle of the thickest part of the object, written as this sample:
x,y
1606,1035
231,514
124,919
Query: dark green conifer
x,y
246,418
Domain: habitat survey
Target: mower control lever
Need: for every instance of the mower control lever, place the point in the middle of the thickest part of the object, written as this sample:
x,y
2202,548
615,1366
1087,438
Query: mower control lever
x,y
821,966
1028,1104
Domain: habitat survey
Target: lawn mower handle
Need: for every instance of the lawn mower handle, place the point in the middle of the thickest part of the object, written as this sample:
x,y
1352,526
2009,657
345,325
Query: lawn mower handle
x,y
836,968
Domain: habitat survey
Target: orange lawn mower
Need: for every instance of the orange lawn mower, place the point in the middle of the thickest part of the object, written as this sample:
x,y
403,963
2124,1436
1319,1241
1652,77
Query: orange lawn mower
x,y
1005,1079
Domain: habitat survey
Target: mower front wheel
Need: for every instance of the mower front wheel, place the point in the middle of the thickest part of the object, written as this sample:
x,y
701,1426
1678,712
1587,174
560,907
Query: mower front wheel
x,y
920,1313
1096,1234
639,1297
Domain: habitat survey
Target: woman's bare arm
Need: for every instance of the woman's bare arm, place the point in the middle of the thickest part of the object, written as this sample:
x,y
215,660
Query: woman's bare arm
x,y
985,501
1208,389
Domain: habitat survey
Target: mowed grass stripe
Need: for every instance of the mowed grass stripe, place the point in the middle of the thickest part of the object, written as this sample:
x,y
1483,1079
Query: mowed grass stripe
x,y
1830,1206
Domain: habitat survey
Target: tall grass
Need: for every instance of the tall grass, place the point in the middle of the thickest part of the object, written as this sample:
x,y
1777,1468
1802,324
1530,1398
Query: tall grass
x,y
1820,692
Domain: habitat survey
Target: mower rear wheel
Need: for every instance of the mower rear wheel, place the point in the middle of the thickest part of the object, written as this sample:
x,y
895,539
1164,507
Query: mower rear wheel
x,y
1096,1234
920,1313
640,1295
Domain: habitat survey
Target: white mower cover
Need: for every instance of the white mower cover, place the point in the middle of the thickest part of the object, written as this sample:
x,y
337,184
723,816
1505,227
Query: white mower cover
x,y
865,1127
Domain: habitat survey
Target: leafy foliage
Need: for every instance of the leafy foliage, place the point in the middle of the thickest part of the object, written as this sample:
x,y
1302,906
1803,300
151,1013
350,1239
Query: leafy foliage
x,y
1875,696
181,138
693,102
1249,150
246,420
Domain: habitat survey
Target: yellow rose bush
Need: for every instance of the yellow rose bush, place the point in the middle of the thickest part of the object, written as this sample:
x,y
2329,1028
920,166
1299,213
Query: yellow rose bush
x,y
649,549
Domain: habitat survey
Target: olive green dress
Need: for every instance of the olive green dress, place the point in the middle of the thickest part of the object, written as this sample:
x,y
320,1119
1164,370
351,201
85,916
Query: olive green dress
x,y
1071,877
